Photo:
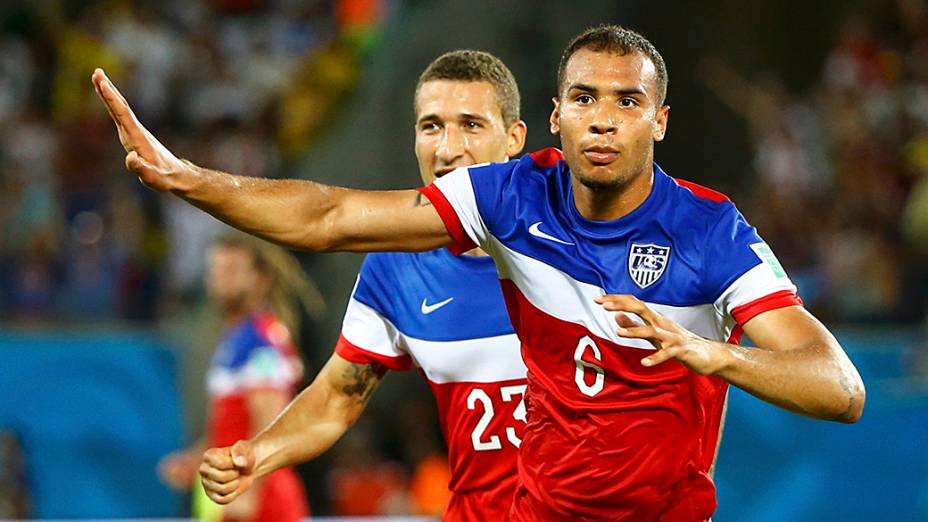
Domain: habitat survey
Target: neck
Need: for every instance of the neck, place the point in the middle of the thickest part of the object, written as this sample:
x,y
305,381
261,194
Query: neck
x,y
235,314
611,203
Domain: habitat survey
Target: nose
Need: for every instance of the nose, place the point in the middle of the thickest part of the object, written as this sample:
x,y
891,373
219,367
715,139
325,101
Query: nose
x,y
604,121
452,145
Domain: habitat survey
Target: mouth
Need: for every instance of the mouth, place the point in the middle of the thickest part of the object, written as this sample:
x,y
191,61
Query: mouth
x,y
442,171
600,155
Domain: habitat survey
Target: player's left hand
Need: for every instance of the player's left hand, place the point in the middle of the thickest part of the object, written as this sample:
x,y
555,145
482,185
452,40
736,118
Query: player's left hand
x,y
671,340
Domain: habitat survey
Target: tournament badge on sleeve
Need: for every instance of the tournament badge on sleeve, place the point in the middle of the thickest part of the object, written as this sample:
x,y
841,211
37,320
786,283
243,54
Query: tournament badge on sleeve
x,y
646,263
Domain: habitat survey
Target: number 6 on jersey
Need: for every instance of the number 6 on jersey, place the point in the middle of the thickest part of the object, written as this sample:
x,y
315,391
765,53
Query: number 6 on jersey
x,y
590,390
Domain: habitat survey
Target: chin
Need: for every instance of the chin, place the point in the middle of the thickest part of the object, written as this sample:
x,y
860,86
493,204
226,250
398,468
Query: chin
x,y
601,180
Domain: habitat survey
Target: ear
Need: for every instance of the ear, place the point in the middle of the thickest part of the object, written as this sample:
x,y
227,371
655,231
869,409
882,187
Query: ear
x,y
517,133
660,122
555,114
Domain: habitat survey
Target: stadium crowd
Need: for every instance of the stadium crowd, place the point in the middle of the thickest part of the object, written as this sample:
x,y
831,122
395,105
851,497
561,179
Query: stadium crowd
x,y
244,83
836,165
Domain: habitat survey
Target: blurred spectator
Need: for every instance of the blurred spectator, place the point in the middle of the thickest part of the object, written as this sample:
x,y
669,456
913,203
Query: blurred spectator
x,y
428,487
836,166
249,84
362,482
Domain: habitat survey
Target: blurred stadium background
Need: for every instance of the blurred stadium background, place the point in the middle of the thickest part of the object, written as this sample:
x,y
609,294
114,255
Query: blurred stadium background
x,y
812,116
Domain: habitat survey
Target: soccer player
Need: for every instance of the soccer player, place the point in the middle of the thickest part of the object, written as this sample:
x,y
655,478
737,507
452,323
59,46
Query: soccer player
x,y
628,288
254,371
443,313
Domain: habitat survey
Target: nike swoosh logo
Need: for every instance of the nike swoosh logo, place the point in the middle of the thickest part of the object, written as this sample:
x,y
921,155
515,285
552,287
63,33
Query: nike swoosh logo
x,y
536,231
429,308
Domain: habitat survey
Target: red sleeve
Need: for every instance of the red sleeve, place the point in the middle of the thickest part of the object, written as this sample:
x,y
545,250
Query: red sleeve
x,y
781,299
355,354
462,242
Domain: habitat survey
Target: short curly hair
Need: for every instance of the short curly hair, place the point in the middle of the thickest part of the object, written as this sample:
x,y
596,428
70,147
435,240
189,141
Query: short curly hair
x,y
466,65
615,39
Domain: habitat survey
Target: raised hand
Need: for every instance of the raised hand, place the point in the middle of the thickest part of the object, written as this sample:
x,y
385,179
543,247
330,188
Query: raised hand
x,y
671,340
226,473
155,165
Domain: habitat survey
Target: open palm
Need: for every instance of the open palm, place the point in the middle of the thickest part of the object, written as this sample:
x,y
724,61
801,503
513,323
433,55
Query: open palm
x,y
152,162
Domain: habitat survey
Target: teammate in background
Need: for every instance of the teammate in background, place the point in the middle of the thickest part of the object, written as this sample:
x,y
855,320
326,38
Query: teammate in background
x,y
628,288
254,370
442,313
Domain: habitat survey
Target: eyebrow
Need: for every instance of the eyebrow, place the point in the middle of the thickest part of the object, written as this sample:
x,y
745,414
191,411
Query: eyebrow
x,y
462,116
621,92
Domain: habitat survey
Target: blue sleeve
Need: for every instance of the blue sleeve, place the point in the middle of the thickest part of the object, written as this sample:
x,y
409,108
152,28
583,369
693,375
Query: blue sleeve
x,y
728,252
375,286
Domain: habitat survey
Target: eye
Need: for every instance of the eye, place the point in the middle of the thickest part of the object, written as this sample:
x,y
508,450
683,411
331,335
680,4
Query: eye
x,y
473,125
428,127
585,99
628,102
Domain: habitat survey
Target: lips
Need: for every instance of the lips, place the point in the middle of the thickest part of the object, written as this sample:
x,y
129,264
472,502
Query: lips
x,y
601,155
442,171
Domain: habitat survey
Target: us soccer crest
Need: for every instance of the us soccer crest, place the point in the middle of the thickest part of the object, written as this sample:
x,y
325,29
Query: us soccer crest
x,y
646,263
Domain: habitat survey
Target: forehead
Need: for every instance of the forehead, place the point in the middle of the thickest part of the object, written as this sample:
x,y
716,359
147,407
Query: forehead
x,y
608,69
449,98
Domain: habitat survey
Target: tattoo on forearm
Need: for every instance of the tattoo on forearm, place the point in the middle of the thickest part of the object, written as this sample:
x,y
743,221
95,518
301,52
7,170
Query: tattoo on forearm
x,y
421,202
362,380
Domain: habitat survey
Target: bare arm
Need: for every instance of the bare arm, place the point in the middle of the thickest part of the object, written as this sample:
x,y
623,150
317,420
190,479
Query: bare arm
x,y
319,416
295,213
307,427
798,364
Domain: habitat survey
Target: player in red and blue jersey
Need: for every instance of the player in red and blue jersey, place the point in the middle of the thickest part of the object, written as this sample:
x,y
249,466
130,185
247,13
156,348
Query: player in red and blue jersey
x,y
440,313
254,370
627,288
256,365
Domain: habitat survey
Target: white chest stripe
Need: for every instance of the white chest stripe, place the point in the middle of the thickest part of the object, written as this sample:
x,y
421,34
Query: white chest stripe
x,y
570,300
487,359
490,359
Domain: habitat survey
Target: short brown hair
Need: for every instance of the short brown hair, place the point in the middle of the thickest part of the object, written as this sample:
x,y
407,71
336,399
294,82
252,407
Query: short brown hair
x,y
466,65
615,39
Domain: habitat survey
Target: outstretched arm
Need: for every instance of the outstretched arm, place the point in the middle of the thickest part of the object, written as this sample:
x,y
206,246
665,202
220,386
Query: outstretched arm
x,y
295,213
310,425
797,365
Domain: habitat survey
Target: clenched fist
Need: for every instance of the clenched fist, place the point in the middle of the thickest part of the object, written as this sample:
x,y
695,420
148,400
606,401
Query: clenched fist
x,y
228,472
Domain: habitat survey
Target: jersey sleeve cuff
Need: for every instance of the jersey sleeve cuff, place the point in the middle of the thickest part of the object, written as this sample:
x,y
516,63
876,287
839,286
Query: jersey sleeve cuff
x,y
348,351
462,242
781,299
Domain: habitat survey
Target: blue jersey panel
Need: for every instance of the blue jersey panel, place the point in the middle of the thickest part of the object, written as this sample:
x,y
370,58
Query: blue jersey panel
x,y
435,296
236,347
676,248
